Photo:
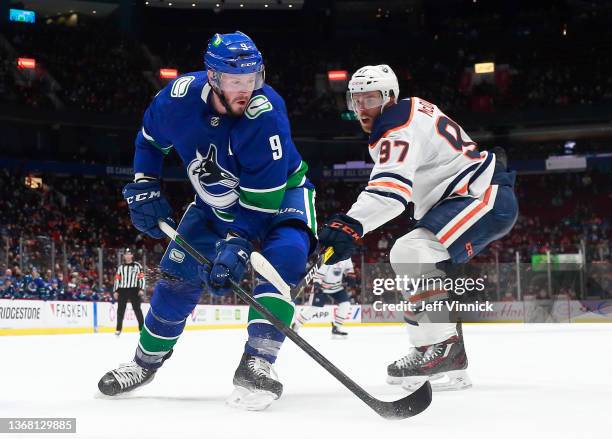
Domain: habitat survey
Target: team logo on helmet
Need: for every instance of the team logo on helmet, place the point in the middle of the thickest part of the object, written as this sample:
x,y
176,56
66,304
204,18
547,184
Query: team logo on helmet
x,y
214,184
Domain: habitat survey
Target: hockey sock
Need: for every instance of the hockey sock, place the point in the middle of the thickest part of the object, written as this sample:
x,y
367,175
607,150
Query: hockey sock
x,y
342,313
171,303
286,248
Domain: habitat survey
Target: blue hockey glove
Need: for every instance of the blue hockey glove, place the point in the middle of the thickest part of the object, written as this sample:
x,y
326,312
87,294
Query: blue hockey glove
x,y
342,233
147,206
231,262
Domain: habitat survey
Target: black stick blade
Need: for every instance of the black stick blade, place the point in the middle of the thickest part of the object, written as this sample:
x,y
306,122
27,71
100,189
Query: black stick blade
x,y
406,407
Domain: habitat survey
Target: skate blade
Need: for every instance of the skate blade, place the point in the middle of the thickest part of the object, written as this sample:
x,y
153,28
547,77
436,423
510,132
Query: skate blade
x,y
245,399
442,382
394,381
453,380
339,337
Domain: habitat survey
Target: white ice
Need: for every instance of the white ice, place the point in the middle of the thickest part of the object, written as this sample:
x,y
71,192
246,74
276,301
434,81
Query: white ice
x,y
531,381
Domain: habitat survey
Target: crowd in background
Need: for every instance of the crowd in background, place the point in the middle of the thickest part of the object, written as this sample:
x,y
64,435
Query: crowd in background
x,y
559,213
539,64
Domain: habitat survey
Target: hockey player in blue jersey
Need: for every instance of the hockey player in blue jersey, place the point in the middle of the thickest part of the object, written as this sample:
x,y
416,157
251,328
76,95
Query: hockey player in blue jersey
x,y
232,134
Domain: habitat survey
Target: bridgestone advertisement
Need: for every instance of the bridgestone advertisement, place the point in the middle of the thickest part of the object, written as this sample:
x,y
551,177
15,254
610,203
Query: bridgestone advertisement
x,y
38,314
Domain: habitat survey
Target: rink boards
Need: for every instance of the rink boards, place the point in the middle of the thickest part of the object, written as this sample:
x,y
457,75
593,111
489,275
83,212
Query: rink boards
x,y
22,317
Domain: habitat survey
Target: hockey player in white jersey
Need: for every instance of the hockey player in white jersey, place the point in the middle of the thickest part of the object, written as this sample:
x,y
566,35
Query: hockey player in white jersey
x,y
463,200
328,282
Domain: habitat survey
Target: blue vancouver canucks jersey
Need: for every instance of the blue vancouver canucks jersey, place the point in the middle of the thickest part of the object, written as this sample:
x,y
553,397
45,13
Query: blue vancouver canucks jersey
x,y
239,167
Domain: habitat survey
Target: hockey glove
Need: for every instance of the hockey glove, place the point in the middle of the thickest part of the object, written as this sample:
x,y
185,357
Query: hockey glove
x,y
231,262
316,288
147,206
342,233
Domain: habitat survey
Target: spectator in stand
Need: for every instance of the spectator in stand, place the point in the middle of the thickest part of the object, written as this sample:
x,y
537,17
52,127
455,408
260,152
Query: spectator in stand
x,y
7,289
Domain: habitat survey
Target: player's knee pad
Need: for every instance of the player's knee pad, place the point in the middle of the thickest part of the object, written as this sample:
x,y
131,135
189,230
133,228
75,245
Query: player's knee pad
x,y
173,299
420,246
287,249
420,261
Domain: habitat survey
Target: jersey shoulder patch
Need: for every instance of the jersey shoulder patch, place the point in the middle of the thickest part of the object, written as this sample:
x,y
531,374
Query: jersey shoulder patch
x,y
181,86
258,105
181,97
190,86
396,117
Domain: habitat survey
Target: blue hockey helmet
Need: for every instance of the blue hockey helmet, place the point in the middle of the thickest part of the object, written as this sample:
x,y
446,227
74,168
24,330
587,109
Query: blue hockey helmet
x,y
236,56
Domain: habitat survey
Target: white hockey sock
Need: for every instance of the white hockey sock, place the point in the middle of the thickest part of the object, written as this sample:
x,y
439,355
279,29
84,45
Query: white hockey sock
x,y
426,334
342,313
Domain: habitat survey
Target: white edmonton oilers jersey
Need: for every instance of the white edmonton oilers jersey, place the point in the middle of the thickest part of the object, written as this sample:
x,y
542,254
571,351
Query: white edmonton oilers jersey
x,y
330,276
420,156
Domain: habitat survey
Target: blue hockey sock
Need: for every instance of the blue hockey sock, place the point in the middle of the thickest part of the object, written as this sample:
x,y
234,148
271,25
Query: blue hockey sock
x,y
286,248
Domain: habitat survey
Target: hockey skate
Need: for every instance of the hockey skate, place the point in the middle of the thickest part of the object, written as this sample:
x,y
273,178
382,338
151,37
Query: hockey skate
x,y
255,388
337,333
399,369
126,377
443,364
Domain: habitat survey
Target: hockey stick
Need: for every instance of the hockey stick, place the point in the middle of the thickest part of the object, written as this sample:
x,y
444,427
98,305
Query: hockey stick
x,y
310,273
406,407
262,266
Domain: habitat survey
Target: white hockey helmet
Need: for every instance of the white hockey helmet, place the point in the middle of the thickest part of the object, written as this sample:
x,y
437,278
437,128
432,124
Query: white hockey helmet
x,y
373,78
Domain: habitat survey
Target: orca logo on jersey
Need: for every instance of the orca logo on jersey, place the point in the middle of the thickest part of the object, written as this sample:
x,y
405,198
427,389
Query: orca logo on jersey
x,y
215,185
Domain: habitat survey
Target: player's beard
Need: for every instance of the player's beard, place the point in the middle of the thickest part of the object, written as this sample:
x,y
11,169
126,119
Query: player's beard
x,y
228,105
367,128
241,106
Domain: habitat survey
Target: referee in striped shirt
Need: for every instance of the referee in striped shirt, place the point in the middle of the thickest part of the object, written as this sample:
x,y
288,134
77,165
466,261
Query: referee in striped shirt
x,y
129,285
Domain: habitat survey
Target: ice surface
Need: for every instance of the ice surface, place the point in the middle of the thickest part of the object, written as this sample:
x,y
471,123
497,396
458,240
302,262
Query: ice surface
x,y
532,381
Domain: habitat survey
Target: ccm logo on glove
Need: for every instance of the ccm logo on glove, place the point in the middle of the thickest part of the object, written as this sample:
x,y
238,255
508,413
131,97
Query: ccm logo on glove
x,y
143,196
345,228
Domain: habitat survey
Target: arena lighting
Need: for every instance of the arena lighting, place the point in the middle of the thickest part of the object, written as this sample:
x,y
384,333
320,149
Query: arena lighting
x,y
33,182
26,63
22,16
337,75
168,73
484,67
